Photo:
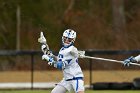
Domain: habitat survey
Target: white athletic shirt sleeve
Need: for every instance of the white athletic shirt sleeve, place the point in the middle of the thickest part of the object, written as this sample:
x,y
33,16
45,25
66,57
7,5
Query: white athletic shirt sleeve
x,y
137,58
74,52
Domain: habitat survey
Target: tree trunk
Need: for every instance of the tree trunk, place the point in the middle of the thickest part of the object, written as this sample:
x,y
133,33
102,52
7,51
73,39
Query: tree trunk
x,y
118,15
18,29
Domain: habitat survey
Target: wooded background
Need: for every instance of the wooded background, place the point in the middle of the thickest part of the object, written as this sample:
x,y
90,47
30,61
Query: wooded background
x,y
100,24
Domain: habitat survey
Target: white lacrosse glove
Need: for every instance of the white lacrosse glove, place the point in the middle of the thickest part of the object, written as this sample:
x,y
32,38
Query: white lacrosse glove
x,y
46,51
49,59
42,39
129,60
81,54
44,48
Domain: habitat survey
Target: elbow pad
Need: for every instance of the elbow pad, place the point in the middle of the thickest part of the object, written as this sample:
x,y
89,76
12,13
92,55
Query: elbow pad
x,y
137,58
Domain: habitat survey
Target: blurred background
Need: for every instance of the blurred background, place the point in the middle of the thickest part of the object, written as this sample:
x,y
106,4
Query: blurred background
x,y
101,25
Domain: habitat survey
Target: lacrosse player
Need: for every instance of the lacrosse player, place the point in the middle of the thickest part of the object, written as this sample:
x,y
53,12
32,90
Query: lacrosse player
x,y
131,59
67,61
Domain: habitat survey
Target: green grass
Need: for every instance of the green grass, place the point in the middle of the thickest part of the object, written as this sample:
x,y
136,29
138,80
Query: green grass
x,y
87,91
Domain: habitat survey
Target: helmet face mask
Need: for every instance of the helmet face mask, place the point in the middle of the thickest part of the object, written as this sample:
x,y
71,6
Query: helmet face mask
x,y
68,37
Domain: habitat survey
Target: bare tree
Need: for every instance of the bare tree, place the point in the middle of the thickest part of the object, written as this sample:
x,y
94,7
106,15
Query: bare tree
x,y
118,15
67,12
18,28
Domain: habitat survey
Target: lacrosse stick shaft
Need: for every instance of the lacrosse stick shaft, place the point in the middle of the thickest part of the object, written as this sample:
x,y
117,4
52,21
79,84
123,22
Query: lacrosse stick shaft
x,y
47,50
111,60
43,41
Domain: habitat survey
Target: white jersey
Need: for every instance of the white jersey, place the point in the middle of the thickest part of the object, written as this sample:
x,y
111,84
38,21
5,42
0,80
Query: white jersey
x,y
137,58
69,56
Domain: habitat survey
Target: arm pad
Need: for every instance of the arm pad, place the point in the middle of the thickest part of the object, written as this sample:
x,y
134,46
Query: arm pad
x,y
60,65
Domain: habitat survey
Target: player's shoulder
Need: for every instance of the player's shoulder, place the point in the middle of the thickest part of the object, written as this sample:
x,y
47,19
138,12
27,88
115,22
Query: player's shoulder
x,y
72,48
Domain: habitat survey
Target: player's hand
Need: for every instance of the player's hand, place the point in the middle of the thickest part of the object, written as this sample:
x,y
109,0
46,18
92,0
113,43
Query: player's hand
x,y
42,39
129,60
48,58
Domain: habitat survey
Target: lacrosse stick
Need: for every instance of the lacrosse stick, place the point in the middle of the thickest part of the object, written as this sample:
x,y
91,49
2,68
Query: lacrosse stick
x,y
45,49
82,55
111,60
43,41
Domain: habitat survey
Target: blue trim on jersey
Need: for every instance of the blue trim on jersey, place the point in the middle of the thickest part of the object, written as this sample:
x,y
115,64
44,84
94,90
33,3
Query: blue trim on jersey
x,y
68,60
60,56
62,48
59,65
75,78
77,84
77,60
65,63
59,59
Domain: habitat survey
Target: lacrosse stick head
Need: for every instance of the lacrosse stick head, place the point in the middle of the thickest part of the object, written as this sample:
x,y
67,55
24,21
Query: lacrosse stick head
x,y
42,39
68,37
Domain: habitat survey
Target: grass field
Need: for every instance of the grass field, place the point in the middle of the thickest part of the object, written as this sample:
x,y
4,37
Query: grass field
x,y
87,91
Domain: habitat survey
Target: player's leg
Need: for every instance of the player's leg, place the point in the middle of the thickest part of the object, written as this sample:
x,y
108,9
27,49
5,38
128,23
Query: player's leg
x,y
78,86
59,89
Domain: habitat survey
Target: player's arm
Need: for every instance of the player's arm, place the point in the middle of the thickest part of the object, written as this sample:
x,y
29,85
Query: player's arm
x,y
74,52
137,58
77,53
57,64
